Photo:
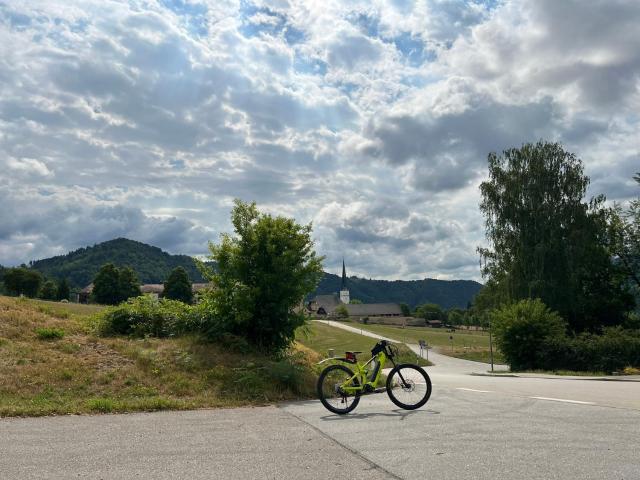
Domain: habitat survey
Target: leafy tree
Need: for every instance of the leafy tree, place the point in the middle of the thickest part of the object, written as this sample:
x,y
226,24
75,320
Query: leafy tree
x,y
106,285
178,286
355,301
262,274
455,317
341,311
430,311
545,242
625,237
63,290
128,284
49,290
22,281
406,311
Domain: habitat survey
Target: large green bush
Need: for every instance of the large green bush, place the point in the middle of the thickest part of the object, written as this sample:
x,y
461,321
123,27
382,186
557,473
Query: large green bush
x,y
263,272
521,329
142,316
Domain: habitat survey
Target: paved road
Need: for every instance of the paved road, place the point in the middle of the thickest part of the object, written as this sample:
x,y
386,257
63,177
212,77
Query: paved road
x,y
245,443
474,427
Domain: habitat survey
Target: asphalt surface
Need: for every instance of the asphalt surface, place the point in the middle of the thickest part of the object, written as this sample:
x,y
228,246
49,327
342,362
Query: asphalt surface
x,y
244,443
473,427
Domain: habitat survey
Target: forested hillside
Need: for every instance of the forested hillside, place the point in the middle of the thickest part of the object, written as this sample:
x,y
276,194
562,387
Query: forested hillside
x,y
446,293
150,263
153,266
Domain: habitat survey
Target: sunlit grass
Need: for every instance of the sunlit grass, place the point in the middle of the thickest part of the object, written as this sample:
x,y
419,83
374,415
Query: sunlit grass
x,y
82,373
321,338
460,344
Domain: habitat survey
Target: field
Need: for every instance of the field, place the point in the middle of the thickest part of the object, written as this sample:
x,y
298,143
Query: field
x,y
321,338
467,345
51,362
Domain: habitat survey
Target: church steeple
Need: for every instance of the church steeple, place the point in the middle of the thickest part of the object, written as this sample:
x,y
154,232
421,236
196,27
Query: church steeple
x,y
344,291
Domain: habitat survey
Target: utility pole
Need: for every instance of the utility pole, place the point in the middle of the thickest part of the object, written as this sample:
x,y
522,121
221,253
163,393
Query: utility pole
x,y
491,345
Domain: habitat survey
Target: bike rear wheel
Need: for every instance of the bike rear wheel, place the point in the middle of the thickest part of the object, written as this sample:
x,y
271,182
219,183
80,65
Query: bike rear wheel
x,y
408,386
331,395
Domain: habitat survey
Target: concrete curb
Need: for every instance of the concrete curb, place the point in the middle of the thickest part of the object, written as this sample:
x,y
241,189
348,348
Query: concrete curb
x,y
621,378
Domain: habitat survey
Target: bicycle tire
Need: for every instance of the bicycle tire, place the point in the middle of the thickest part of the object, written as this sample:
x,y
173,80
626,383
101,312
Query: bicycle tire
x,y
409,394
326,386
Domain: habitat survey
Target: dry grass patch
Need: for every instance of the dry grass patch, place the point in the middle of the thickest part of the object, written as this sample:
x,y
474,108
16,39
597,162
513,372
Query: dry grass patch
x,y
82,373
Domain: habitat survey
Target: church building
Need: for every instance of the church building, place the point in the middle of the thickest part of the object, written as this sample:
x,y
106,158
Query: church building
x,y
324,305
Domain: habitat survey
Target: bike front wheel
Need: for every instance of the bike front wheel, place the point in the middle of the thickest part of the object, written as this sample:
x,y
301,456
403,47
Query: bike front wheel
x,y
330,392
408,386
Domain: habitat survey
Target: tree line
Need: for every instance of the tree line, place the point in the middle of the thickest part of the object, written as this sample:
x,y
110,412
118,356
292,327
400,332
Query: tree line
x,y
561,271
31,283
111,285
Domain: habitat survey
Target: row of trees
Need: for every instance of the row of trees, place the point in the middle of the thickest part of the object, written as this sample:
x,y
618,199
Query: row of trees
x,y
113,285
31,283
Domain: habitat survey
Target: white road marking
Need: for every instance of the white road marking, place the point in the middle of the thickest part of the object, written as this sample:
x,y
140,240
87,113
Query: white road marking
x,y
564,400
473,390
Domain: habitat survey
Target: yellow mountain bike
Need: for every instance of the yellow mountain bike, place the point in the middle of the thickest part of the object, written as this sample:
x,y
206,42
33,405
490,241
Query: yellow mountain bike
x,y
339,388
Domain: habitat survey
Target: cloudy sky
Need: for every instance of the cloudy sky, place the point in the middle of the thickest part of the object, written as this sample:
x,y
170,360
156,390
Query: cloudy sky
x,y
373,119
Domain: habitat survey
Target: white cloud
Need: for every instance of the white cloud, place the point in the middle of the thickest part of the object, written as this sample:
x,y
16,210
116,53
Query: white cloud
x,y
371,119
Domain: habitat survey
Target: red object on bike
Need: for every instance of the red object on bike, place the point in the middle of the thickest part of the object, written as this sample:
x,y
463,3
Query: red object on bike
x,y
350,357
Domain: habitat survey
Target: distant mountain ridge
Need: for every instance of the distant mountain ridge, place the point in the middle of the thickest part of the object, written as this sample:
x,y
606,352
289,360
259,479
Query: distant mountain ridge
x,y
152,264
446,293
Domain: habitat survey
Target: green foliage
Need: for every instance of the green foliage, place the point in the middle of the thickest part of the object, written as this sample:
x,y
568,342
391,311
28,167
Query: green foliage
x,y
625,238
128,283
522,328
263,273
150,263
106,289
455,317
355,301
446,293
406,311
178,286
341,311
145,316
49,290
63,290
430,311
545,241
613,350
49,333
113,285
22,281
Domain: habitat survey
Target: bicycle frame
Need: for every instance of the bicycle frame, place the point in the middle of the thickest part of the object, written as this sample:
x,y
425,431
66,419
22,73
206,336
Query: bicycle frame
x,y
361,374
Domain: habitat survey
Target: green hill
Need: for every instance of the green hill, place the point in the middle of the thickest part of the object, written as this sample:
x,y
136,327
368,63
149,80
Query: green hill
x,y
150,263
446,293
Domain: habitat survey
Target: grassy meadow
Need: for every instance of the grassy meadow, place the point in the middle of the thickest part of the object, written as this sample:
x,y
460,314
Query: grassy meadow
x,y
469,345
321,338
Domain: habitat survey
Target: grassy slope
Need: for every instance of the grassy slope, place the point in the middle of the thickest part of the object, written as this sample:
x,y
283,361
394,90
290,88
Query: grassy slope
x,y
467,345
82,373
322,337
